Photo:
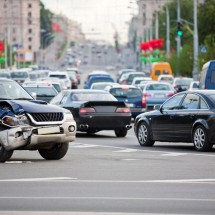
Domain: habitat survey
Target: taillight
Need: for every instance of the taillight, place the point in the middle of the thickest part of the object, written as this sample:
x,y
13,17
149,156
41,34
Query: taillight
x,y
124,82
87,110
147,95
123,110
170,95
143,101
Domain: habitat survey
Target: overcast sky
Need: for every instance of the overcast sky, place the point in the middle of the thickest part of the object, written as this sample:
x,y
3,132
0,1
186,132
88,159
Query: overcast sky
x,y
99,18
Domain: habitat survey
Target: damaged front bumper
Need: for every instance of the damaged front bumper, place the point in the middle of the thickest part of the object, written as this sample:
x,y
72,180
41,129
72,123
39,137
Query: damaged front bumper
x,y
30,136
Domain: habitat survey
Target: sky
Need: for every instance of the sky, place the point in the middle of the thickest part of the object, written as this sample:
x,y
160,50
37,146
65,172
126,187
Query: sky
x,y
99,19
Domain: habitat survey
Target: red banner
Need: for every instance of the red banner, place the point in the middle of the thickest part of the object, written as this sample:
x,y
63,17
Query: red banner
x,y
1,46
152,44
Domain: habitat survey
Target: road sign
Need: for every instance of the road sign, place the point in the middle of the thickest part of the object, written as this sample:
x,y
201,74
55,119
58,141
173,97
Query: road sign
x,y
203,49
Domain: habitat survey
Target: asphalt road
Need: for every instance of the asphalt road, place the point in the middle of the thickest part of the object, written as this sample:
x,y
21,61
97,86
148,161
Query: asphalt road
x,y
103,174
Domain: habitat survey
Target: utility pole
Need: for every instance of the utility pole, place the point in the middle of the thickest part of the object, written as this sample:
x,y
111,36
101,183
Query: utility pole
x,y
5,49
195,41
178,20
156,26
167,33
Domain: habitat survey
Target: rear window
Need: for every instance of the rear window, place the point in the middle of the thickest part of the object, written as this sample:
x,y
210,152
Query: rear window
x,y
41,91
58,76
96,80
19,75
158,87
92,97
128,93
183,81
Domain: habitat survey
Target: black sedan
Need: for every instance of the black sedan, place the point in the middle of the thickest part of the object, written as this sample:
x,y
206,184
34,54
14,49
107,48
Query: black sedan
x,y
95,110
185,117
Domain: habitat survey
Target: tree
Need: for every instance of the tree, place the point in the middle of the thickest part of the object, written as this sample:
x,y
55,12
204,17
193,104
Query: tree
x,y
45,24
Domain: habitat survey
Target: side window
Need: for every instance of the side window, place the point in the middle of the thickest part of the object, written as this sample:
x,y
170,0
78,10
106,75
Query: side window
x,y
64,99
213,77
173,103
157,72
56,100
203,105
191,101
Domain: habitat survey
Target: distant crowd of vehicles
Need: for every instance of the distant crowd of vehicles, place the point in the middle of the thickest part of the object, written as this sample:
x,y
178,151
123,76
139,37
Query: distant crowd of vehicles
x,y
165,108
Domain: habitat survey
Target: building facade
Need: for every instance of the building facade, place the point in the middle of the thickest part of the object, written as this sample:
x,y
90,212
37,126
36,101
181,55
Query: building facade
x,y
20,23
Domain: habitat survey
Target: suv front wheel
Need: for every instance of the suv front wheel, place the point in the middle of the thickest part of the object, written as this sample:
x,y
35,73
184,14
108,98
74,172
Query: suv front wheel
x,y
55,153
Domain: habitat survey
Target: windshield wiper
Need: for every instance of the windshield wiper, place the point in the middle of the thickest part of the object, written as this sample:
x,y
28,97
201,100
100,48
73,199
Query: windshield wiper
x,y
5,99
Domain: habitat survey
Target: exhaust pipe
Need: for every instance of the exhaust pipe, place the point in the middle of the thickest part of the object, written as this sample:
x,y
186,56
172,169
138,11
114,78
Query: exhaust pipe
x,y
128,127
84,126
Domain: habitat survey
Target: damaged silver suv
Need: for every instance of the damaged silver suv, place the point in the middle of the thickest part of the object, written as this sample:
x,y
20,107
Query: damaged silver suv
x,y
28,124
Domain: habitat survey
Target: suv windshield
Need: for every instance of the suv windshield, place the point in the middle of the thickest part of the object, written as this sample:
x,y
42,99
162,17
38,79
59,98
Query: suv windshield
x,y
12,90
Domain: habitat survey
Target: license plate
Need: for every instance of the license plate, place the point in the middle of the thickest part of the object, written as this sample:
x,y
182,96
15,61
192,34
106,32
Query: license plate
x,y
130,105
50,130
159,95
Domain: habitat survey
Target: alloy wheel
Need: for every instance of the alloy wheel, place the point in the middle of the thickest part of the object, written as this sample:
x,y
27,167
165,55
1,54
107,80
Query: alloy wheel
x,y
199,138
142,133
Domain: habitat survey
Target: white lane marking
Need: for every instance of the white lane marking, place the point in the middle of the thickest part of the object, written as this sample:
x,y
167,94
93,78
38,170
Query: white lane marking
x,y
130,159
106,198
17,162
82,145
145,150
75,180
37,179
172,154
127,150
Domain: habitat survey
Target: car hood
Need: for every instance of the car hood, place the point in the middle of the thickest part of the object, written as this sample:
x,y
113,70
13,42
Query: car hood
x,y
33,106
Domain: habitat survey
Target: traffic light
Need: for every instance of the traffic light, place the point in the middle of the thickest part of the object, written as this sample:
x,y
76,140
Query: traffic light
x,y
179,29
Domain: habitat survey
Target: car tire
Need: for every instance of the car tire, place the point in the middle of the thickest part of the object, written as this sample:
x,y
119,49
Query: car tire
x,y
200,139
55,153
144,136
121,132
4,154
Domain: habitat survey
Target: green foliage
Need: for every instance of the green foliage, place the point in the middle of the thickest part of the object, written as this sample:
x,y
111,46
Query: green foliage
x,y
206,32
45,24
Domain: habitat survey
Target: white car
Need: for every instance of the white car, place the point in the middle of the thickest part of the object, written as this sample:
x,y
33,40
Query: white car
x,y
166,78
62,76
139,80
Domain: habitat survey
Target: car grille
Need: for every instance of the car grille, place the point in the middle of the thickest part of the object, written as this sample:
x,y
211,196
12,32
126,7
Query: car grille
x,y
47,117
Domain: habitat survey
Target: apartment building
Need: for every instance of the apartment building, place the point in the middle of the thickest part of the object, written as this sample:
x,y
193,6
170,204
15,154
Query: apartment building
x,y
20,23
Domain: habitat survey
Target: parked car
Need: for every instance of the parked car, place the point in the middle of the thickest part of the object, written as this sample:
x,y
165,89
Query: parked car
x,y
41,90
156,93
28,124
132,96
185,117
181,83
95,110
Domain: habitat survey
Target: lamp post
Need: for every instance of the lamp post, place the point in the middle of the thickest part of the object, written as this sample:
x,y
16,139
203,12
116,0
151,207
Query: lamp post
x,y
167,33
195,41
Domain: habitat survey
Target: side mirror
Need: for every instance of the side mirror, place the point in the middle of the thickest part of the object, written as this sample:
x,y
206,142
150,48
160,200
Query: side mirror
x,y
34,95
157,107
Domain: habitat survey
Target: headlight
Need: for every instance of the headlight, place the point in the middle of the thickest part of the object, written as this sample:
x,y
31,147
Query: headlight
x,y
68,116
15,121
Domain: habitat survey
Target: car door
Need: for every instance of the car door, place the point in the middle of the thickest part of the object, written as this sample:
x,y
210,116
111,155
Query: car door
x,y
163,123
186,116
